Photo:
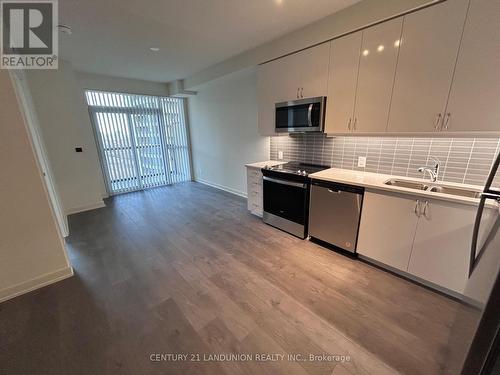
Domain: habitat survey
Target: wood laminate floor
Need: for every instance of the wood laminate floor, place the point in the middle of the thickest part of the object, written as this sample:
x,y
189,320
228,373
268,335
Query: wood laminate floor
x,y
186,270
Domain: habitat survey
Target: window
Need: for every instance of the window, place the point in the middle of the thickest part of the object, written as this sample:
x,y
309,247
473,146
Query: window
x,y
142,139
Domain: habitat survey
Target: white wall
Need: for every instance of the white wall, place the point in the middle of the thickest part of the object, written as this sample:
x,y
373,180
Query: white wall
x,y
64,121
131,86
32,251
223,129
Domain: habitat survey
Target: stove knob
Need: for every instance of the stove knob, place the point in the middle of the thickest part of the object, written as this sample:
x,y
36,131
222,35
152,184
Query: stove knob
x,y
299,171
304,173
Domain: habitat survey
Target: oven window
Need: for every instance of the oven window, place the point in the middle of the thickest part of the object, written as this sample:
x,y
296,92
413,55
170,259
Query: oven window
x,y
285,201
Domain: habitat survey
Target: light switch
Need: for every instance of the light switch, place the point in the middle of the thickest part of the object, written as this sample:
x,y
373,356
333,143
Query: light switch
x,y
361,161
280,155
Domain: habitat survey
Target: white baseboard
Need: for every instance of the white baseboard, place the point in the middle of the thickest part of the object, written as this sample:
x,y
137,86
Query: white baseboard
x,y
36,283
220,187
88,207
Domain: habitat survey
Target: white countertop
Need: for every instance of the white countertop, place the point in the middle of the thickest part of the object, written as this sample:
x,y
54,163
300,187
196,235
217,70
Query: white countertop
x,y
262,164
376,181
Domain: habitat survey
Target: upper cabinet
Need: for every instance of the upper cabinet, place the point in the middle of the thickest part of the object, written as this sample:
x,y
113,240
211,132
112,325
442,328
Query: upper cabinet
x,y
377,67
342,79
475,92
300,75
428,51
432,70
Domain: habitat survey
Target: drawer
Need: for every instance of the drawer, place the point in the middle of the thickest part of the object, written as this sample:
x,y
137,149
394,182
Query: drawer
x,y
253,172
256,209
255,196
255,180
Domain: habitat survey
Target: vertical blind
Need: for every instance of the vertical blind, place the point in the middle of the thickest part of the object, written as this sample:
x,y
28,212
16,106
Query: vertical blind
x,y
142,139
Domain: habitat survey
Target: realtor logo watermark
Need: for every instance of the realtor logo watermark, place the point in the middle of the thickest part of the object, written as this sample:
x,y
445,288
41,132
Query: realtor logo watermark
x,y
29,37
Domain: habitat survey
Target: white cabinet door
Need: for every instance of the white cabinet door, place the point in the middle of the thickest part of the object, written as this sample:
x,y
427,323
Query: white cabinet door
x,y
387,227
342,77
300,75
427,54
313,63
377,68
442,244
474,97
270,82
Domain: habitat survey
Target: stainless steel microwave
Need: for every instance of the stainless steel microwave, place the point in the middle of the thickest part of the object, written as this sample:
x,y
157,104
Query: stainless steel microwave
x,y
304,115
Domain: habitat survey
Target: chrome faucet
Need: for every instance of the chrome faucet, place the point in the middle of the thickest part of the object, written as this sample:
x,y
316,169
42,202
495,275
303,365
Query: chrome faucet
x,y
433,171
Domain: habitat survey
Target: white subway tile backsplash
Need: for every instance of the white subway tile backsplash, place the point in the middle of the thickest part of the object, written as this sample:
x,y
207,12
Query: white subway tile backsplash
x,y
464,160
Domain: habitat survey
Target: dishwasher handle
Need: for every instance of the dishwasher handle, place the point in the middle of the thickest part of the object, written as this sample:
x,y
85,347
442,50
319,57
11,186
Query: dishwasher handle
x,y
334,187
334,191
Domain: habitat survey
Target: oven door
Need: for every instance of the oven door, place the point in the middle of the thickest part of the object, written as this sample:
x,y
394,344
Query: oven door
x,y
285,205
300,115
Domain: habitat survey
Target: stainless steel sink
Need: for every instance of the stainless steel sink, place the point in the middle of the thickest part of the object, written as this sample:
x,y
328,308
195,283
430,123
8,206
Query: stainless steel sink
x,y
407,184
443,189
455,191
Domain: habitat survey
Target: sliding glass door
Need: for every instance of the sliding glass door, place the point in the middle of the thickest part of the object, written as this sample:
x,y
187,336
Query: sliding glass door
x,y
142,140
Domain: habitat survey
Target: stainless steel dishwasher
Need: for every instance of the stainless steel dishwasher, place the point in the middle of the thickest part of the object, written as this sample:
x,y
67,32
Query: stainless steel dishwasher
x,y
334,213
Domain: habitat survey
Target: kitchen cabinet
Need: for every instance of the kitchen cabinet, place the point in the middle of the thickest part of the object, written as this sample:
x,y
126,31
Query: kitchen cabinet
x,y
300,75
427,53
429,239
254,191
342,77
377,68
475,91
442,243
387,228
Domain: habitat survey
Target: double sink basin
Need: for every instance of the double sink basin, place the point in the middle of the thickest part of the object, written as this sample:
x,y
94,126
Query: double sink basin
x,y
443,189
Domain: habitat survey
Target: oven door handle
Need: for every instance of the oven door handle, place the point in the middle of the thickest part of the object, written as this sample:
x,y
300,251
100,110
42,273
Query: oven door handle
x,y
283,182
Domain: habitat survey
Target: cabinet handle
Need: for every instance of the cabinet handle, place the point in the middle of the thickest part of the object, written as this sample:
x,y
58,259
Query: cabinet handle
x,y
301,92
447,121
438,120
425,209
355,122
417,207
298,88
349,124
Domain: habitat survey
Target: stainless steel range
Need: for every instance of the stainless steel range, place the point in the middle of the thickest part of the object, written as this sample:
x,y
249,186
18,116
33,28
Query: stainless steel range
x,y
286,196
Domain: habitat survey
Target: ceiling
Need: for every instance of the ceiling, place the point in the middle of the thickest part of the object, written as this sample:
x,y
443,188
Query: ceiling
x,y
114,37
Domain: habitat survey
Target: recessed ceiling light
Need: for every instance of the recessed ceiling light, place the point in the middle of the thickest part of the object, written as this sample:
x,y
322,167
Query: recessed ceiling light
x,y
366,52
380,48
279,2
154,49
397,43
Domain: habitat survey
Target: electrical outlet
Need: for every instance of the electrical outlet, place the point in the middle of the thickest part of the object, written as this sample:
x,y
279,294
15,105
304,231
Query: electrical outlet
x,y
361,161
280,155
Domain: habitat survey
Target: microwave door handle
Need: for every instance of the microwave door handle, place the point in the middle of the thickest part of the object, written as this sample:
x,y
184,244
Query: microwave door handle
x,y
309,113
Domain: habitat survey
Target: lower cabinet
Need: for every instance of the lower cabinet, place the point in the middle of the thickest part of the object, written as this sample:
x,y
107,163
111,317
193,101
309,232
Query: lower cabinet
x,y
387,228
442,244
254,191
426,238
